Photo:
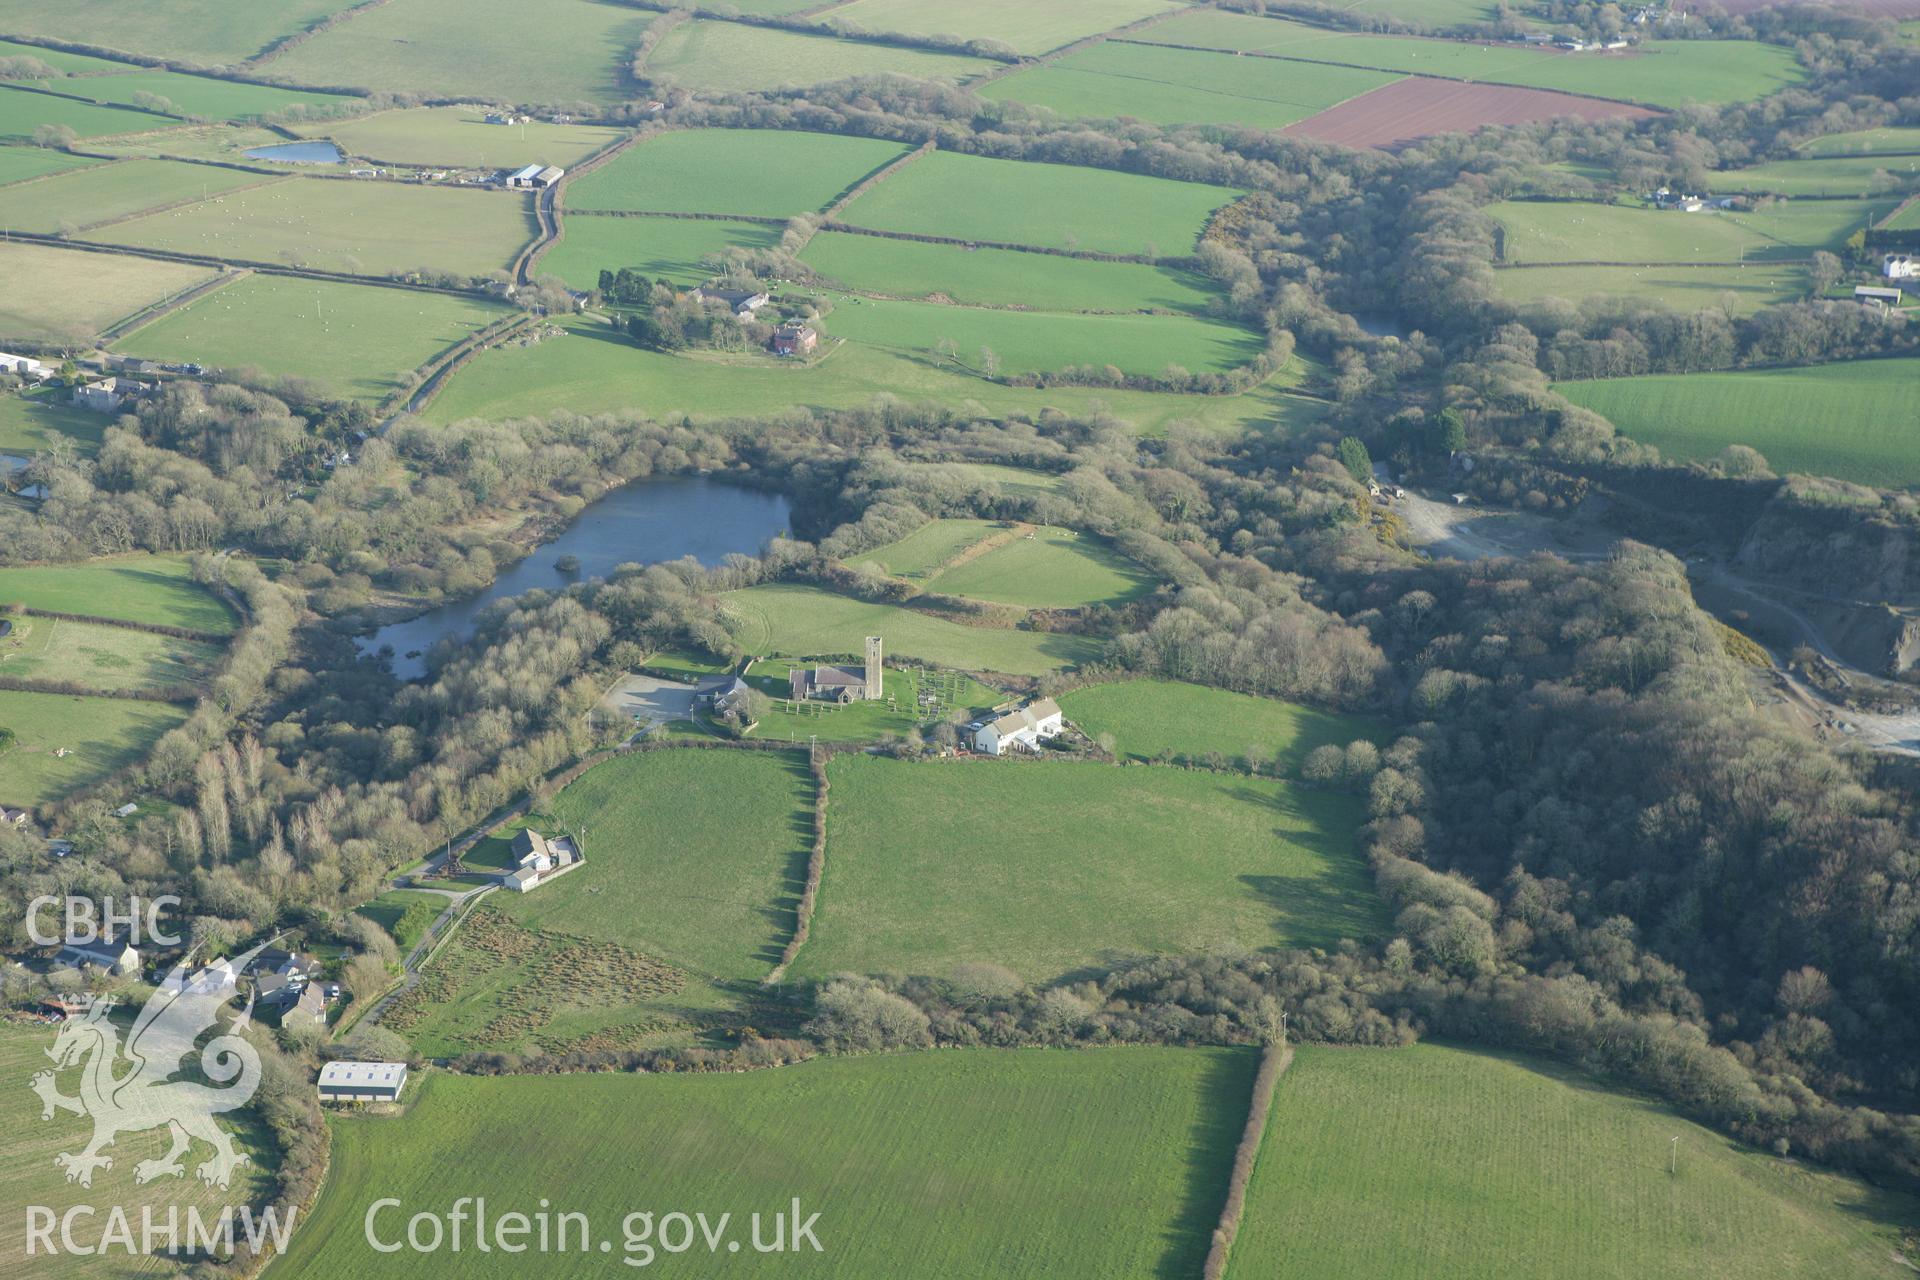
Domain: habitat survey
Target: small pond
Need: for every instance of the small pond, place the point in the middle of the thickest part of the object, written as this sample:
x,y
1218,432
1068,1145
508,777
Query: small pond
x,y
646,522
316,152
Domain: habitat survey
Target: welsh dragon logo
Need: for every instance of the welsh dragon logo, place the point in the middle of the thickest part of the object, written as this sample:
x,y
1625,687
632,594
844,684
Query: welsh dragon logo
x,y
147,1096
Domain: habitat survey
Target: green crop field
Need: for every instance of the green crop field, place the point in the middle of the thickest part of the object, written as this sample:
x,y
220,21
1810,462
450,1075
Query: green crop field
x,y
726,57
1896,140
100,735
17,164
1050,205
458,137
29,1176
204,96
1669,73
102,193
1149,717
71,295
32,420
1027,28
202,32
1046,341
557,51
796,621
1002,277
22,111
1051,1164
359,340
102,657
674,249
867,721
1429,1161
1582,231
132,588
936,864
1052,569
1739,291
1182,86
1907,219
760,173
1852,420
406,914
1834,176
594,369
367,228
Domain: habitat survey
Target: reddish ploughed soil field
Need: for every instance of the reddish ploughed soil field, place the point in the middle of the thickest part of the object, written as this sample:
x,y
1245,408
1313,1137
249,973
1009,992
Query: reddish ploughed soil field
x,y
1419,107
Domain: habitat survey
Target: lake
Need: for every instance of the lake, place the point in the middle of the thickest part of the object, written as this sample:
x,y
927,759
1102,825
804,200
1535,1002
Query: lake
x,y
320,152
646,522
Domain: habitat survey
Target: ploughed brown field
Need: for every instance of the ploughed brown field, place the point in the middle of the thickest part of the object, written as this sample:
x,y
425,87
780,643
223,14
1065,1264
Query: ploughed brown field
x,y
1421,107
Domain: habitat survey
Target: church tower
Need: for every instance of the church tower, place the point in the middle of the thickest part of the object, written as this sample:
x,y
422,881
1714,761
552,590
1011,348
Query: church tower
x,y
875,685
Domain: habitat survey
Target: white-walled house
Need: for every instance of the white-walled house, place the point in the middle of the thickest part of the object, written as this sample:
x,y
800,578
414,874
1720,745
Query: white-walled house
x,y
1024,729
1900,266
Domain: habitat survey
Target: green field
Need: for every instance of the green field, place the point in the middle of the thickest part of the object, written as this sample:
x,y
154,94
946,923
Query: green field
x,y
596,370
1050,569
100,736
1046,341
1054,206
102,657
796,621
59,59
1834,176
358,340
1740,291
406,914
17,164
1047,868
1002,277
70,294
29,1176
1660,73
1431,13
1583,231
1051,1164
31,421
102,193
22,111
1852,420
1011,482
203,96
459,137
1895,140
1443,1164
365,228
726,57
756,172
131,588
1182,86
224,143
1149,717
672,249
493,50
1907,219
1028,28
203,32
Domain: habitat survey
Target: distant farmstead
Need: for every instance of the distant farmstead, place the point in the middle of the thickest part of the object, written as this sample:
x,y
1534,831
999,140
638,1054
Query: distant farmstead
x,y
537,860
794,339
362,1081
535,177
1022,730
742,302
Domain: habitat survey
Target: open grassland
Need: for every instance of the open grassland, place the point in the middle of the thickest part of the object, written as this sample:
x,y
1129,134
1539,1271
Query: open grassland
x,y
948,693
1835,176
1740,291
673,249
1894,139
1002,277
203,32
228,143
594,369
365,228
133,588
71,294
795,621
1011,482
204,96
22,111
17,164
1853,420
104,192
1427,1162
102,657
936,864
1050,205
32,420
406,914
459,137
1049,569
1148,718
757,172
1182,86
726,57
495,50
1432,13
100,735
1027,28
60,60
358,340
1583,231
1048,1165
29,1176
1660,73
1906,219
1045,341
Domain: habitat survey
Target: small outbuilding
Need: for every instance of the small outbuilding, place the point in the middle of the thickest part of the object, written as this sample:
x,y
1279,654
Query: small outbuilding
x,y
362,1081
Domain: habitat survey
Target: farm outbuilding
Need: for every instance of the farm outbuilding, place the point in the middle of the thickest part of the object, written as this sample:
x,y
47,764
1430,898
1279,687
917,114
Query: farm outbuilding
x,y
535,176
362,1081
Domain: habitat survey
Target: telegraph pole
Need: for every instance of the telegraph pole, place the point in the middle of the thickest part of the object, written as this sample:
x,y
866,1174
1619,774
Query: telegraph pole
x,y
1673,1157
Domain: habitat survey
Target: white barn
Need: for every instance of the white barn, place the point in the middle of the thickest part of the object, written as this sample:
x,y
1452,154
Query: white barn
x,y
362,1081
1024,729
